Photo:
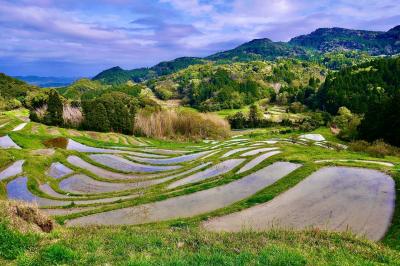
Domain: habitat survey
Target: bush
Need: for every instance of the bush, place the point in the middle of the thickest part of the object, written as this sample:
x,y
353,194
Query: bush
x,y
377,149
297,107
348,123
185,125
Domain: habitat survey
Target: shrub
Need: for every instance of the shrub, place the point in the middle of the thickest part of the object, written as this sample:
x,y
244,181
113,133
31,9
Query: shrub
x,y
348,123
297,107
180,124
377,149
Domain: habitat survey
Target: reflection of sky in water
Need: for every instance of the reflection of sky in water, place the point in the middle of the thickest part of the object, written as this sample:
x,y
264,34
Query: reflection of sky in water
x,y
58,170
122,164
179,159
17,189
215,170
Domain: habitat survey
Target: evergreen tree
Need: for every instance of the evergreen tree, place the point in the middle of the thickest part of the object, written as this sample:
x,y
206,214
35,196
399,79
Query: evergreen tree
x,y
54,114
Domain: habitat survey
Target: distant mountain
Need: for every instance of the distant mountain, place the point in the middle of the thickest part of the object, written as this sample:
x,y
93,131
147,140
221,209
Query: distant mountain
x,y
117,75
331,39
46,82
260,49
320,41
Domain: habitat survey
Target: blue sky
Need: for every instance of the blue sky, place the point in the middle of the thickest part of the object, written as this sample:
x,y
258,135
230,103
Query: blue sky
x,y
81,38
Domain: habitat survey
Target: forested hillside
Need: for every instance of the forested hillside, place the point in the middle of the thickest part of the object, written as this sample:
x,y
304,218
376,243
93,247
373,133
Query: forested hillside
x,y
371,89
331,39
211,87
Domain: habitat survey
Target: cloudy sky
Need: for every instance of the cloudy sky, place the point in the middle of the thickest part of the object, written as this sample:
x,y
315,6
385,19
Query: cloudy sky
x,y
81,38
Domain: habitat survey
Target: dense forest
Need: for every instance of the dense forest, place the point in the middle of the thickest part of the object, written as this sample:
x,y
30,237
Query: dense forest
x,y
371,89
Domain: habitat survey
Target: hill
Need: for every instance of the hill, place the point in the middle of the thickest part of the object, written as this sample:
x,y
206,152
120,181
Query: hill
x,y
215,86
260,49
331,39
117,75
13,88
371,89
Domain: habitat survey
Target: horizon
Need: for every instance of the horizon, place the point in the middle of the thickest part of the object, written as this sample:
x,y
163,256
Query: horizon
x,y
49,38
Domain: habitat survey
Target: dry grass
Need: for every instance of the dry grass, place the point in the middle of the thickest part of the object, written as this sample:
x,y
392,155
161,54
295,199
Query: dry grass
x,y
41,112
377,148
72,116
26,217
186,125
56,143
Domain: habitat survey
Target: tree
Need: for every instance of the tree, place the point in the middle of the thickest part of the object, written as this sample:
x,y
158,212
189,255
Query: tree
x,y
255,115
54,114
348,123
237,121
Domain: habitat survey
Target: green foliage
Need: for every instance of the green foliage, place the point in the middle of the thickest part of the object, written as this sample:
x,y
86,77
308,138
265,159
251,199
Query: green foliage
x,y
111,112
54,115
331,39
57,254
280,256
372,89
13,243
13,88
117,75
80,87
359,87
254,118
36,99
129,89
347,122
259,49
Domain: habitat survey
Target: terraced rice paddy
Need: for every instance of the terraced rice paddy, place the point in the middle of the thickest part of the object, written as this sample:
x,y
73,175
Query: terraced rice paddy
x,y
114,179
334,198
6,142
121,164
12,170
192,204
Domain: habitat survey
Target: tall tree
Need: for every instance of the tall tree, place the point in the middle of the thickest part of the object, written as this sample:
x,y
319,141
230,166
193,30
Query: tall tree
x,y
54,114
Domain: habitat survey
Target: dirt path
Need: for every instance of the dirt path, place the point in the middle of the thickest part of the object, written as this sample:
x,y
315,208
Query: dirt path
x,y
333,198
